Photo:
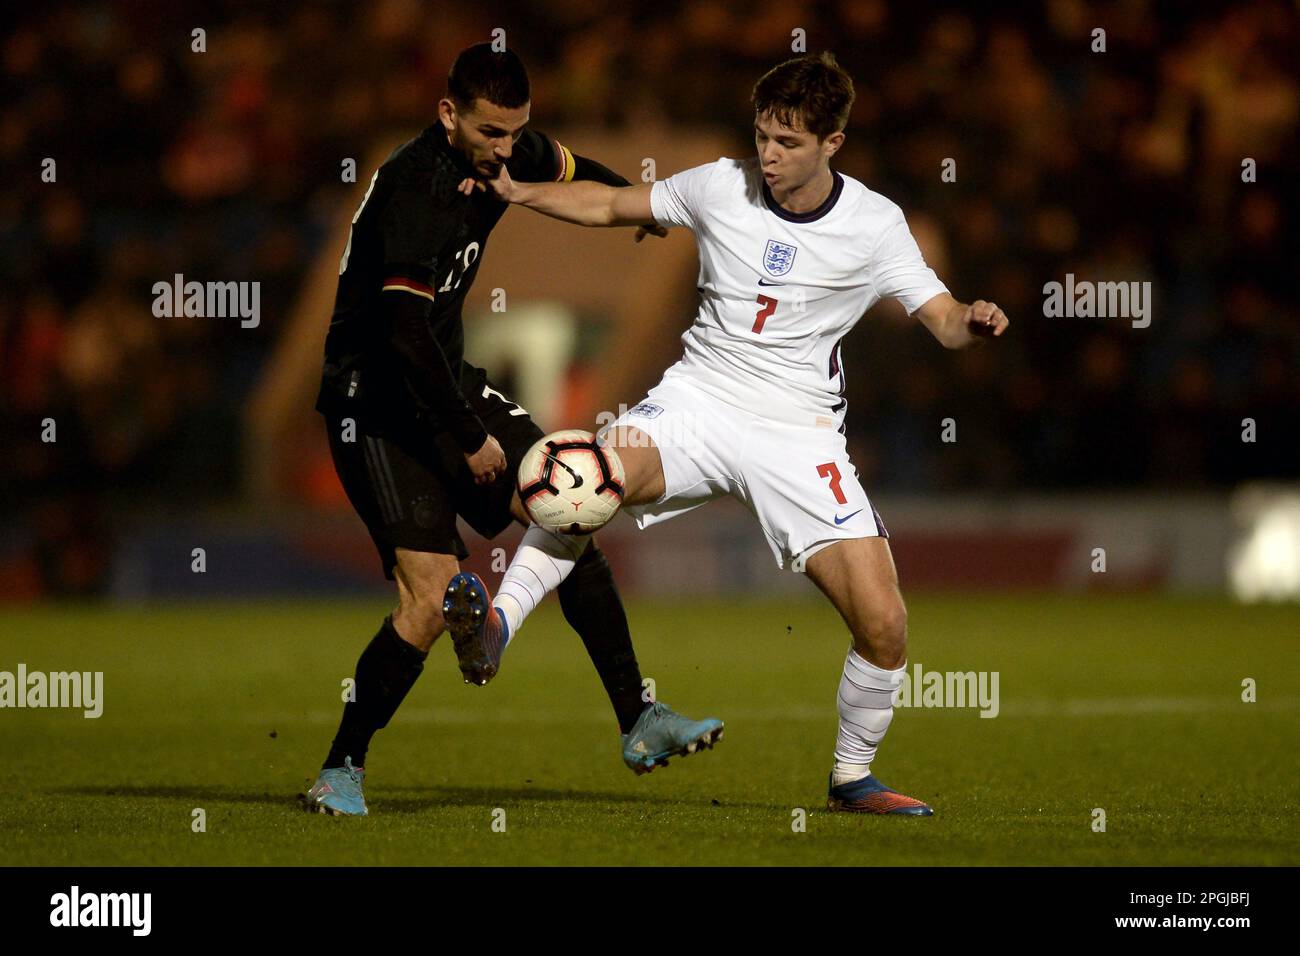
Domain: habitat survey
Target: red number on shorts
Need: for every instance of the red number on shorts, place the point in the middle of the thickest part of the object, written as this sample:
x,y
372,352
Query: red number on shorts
x,y
829,470
768,307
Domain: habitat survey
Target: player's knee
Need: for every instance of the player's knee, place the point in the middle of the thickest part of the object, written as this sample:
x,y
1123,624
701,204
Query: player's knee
x,y
423,615
591,580
884,636
643,473
590,565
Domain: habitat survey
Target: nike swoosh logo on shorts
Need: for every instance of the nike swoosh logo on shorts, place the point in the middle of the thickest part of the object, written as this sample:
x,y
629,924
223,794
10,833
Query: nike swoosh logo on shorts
x,y
839,520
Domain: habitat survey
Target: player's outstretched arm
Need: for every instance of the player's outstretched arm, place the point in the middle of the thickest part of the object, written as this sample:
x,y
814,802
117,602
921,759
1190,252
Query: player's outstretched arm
x,y
957,325
585,169
583,203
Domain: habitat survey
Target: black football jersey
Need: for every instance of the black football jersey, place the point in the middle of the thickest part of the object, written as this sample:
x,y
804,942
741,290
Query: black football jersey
x,y
416,234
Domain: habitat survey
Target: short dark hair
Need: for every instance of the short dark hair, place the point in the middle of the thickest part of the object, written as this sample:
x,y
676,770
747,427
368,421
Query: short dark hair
x,y
482,73
812,89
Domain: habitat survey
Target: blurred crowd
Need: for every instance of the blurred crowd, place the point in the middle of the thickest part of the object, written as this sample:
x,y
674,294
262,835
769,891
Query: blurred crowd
x,y
1119,165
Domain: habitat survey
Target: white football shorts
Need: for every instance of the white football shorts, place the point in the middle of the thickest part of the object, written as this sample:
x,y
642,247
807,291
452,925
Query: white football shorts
x,y
797,480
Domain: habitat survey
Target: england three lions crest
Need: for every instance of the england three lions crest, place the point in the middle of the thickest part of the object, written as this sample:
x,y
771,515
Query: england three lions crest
x,y
778,257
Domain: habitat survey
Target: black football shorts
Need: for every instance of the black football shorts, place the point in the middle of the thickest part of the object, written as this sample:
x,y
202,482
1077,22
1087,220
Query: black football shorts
x,y
408,487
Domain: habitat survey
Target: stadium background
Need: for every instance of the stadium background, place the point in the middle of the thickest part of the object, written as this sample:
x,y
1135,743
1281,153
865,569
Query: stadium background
x,y
226,165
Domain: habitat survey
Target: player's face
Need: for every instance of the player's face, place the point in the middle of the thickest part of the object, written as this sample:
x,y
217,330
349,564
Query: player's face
x,y
485,133
790,156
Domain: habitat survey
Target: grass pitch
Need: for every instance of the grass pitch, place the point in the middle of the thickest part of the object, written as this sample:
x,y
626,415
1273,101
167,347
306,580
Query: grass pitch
x,y
1130,705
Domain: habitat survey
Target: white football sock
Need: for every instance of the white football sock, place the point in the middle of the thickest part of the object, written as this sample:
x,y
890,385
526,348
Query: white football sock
x,y
543,560
866,706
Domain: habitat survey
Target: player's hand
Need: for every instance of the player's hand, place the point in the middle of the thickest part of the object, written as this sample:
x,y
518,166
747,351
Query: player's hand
x,y
985,319
488,463
467,185
500,185
655,230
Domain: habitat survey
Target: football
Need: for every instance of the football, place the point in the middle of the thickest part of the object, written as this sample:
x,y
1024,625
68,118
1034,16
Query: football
x,y
571,482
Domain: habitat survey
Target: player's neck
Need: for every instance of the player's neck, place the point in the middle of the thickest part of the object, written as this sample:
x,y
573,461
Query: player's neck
x,y
809,196
445,140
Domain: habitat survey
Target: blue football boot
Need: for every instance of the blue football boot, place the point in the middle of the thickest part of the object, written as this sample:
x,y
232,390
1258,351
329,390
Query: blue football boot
x,y
660,733
338,792
869,795
478,630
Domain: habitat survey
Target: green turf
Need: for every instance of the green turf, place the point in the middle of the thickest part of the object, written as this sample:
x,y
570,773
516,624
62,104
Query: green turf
x,y
1132,705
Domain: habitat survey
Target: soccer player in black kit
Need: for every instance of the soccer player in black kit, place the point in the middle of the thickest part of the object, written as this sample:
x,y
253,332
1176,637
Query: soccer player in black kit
x,y
419,436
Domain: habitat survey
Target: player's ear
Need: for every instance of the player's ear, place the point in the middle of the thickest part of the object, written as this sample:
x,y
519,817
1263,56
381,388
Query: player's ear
x,y
832,143
447,115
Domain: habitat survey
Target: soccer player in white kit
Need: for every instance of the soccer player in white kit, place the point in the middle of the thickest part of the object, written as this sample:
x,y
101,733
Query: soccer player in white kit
x,y
792,254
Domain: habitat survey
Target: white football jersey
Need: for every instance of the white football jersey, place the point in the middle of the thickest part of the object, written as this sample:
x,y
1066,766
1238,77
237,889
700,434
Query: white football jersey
x,y
780,290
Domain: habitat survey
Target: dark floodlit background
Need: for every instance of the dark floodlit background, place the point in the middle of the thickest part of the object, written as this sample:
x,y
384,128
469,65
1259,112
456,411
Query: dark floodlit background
x,y
226,165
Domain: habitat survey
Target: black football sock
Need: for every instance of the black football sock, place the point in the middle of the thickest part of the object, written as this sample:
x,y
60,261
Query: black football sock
x,y
386,670
592,607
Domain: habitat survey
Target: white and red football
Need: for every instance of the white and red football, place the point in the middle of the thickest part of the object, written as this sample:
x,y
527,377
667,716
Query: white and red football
x,y
571,482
